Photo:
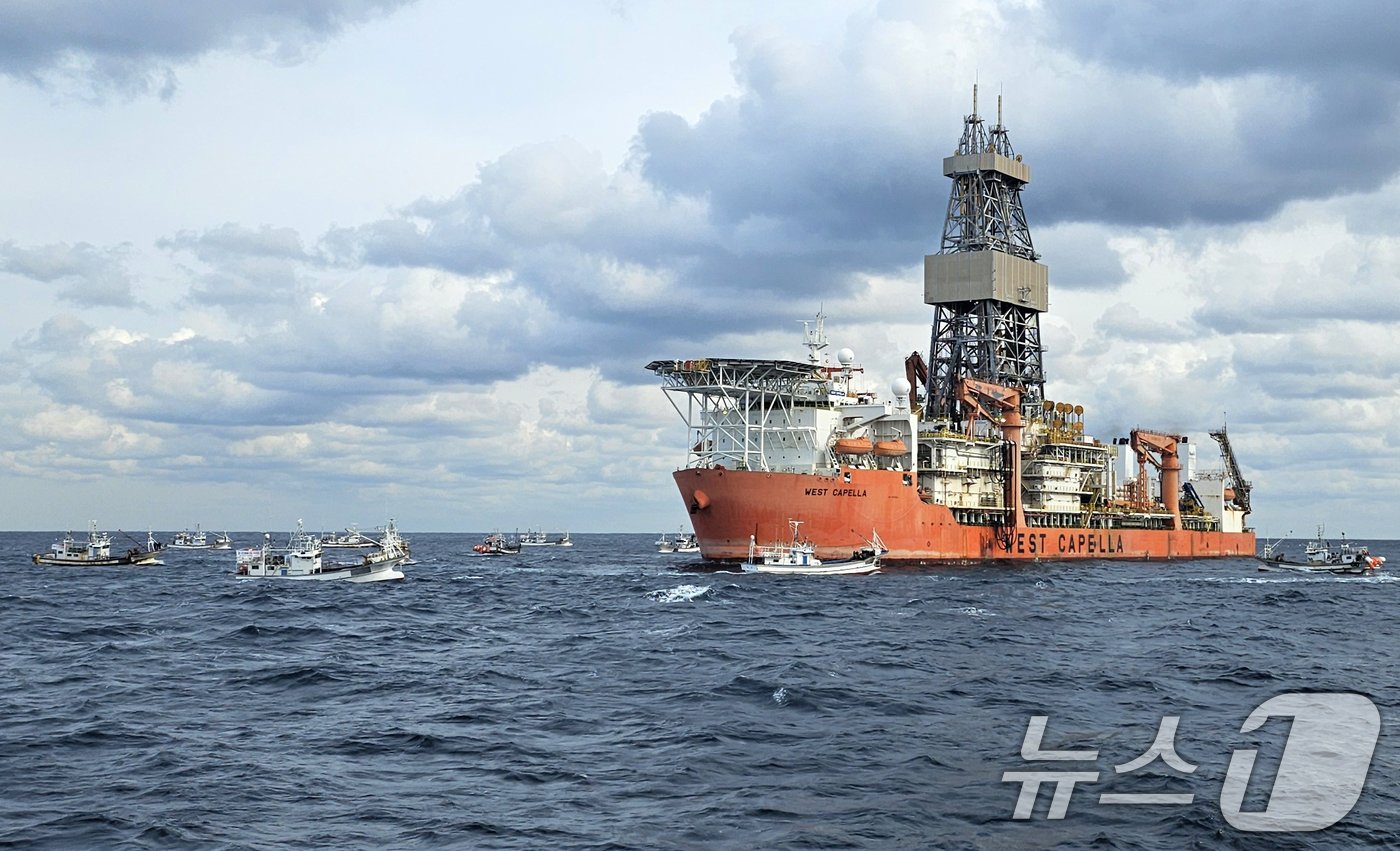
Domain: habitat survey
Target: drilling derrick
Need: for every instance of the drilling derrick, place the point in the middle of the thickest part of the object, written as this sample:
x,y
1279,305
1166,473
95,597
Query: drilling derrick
x,y
986,287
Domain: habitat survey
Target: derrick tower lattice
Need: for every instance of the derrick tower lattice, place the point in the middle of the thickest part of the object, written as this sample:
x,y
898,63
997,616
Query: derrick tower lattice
x,y
985,283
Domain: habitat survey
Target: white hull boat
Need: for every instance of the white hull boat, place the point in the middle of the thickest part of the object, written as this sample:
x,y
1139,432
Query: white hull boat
x,y
96,551
799,557
685,542
393,551
301,560
353,539
187,540
1321,556
540,539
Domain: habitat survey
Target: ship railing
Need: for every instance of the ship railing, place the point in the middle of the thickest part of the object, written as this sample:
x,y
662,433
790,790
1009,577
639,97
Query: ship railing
x,y
736,423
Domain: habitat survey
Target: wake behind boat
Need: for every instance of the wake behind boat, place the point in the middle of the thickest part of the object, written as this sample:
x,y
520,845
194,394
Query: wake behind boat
x,y
799,557
96,551
301,559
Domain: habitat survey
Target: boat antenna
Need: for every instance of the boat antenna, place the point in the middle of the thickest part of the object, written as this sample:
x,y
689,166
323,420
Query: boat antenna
x,y
814,336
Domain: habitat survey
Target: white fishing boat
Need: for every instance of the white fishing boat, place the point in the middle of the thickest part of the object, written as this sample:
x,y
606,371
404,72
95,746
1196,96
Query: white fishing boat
x,y
1322,556
684,542
301,559
799,557
96,551
533,538
352,539
222,541
187,540
393,549
496,544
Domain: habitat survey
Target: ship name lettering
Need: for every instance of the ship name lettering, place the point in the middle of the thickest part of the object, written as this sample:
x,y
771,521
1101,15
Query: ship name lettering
x,y
816,491
1089,543
848,492
1038,543
1029,543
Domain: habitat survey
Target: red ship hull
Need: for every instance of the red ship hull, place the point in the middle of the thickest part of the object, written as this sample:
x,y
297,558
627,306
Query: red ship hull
x,y
838,514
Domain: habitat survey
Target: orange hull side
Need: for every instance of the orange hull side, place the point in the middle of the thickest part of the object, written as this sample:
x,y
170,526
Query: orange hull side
x,y
839,512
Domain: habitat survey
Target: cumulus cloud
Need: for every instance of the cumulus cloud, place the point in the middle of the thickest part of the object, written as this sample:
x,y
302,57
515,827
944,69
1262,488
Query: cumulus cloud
x,y
241,266
1200,108
133,47
1218,228
83,274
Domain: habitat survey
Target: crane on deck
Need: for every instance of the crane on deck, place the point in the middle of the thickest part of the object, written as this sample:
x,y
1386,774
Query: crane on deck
x,y
1232,466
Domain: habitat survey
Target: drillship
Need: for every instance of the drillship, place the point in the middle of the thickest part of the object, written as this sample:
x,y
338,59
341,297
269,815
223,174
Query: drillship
x,y
969,461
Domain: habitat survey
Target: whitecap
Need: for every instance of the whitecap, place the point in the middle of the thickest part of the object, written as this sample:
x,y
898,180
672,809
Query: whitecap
x,y
680,594
972,611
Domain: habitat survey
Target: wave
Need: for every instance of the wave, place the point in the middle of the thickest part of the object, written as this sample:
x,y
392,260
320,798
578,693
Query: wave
x,y
682,593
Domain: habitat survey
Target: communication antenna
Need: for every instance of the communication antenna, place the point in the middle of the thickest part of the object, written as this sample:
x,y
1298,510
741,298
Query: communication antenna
x,y
814,336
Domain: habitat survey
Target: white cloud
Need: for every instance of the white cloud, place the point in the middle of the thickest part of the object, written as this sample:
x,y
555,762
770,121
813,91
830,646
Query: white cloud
x,y
322,285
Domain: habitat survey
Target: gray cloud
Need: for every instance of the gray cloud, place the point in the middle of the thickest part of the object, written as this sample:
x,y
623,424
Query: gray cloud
x,y
1193,37
1305,95
816,144
132,47
242,266
84,274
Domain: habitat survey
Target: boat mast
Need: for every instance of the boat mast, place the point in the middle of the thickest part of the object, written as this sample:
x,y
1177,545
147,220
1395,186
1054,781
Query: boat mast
x,y
984,283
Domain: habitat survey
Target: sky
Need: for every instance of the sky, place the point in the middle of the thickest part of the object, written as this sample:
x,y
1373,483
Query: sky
x,y
341,260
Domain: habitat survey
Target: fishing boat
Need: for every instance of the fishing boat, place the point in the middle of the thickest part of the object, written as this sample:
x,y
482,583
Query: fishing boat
x,y
798,556
222,541
684,542
352,539
496,544
96,551
1322,556
301,559
393,548
533,538
187,540
966,459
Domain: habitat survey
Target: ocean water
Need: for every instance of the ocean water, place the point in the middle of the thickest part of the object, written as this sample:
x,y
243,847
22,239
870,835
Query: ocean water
x,y
606,696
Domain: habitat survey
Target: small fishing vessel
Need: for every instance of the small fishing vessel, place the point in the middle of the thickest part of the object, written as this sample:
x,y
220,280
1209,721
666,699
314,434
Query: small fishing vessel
x,y
352,539
684,542
222,541
496,544
1322,556
533,538
301,559
393,548
96,551
187,540
799,557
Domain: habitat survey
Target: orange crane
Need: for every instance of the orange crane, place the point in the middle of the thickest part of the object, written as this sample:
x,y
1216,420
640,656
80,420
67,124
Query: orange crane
x,y
1146,445
977,396
916,371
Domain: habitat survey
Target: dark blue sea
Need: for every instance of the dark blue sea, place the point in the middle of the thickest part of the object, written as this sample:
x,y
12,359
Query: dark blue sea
x,y
609,697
